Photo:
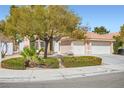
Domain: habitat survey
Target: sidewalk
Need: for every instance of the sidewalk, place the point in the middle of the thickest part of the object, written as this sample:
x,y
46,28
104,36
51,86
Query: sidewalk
x,y
7,75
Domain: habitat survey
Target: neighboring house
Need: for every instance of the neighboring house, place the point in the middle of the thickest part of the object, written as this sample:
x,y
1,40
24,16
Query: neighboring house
x,y
6,45
93,44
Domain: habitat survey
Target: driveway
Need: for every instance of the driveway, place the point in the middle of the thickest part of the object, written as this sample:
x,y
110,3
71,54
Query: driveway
x,y
112,59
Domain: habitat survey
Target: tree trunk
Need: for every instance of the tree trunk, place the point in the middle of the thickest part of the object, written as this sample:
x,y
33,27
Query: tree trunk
x,y
51,44
14,45
46,48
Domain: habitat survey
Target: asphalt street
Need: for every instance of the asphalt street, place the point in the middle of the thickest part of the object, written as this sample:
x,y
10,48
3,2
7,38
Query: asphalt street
x,y
115,80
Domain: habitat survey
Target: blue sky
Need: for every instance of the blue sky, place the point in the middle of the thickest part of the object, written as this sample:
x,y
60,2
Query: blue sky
x,y
4,11
112,17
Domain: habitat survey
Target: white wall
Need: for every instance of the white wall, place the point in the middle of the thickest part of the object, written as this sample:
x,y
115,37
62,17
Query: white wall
x,y
21,46
7,47
56,47
10,48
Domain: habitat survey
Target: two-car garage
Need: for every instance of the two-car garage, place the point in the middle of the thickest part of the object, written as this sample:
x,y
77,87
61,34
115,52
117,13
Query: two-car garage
x,y
93,44
83,48
95,47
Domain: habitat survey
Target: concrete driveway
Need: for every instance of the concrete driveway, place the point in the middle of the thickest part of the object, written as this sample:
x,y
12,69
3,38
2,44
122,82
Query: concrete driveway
x,y
112,59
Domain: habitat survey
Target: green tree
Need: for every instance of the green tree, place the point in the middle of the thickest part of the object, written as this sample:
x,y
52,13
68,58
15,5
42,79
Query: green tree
x,y
79,34
20,23
2,26
55,22
122,35
100,30
119,40
61,22
45,22
117,44
25,21
11,25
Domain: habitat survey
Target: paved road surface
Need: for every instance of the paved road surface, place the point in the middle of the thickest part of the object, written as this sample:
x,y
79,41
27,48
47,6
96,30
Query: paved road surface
x,y
101,81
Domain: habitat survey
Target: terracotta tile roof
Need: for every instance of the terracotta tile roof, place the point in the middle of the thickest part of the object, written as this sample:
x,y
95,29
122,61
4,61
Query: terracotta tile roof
x,y
92,35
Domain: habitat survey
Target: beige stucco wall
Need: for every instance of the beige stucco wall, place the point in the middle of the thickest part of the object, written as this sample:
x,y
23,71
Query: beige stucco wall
x,y
88,47
112,50
26,42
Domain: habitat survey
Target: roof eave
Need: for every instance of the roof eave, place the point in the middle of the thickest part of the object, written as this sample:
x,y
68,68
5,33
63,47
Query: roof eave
x,y
102,39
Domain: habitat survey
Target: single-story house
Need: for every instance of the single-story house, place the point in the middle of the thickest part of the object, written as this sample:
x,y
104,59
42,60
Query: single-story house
x,y
93,44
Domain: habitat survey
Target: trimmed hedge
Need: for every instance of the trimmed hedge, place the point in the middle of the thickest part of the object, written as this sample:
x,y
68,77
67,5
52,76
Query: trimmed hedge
x,y
50,62
14,63
18,63
81,61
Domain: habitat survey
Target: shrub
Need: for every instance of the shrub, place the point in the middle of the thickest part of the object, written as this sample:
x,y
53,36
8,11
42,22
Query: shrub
x,y
50,62
81,61
14,63
31,57
29,53
117,45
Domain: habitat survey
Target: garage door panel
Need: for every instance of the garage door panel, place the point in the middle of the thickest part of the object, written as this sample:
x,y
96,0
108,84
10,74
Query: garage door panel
x,y
101,48
65,49
78,48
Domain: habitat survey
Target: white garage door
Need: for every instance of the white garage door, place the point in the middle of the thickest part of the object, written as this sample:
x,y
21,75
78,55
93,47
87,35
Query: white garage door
x,y
101,48
78,47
